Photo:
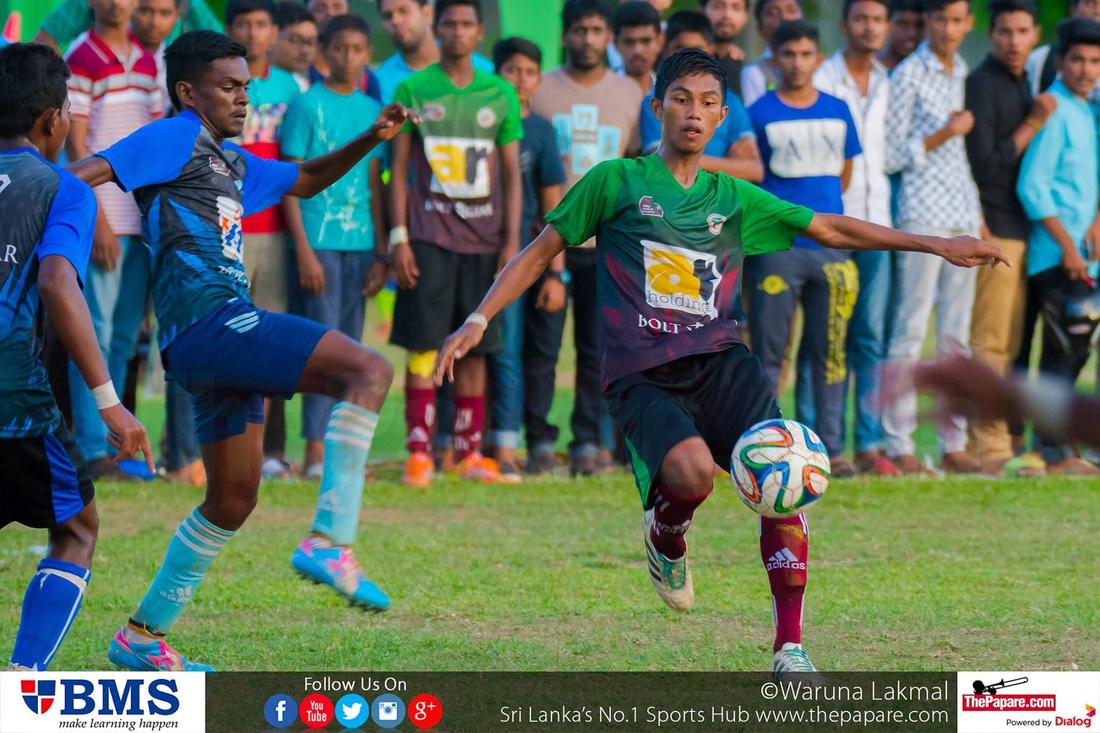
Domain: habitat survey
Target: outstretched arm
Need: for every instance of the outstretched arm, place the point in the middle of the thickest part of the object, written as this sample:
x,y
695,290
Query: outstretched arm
x,y
59,289
520,274
318,174
844,232
93,170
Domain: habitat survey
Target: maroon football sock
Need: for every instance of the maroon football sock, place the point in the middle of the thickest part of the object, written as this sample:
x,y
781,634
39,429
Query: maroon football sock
x,y
419,416
785,549
469,422
671,519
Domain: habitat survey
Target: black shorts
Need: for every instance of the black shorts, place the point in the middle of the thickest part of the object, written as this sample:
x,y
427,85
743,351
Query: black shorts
x,y
715,396
45,482
450,288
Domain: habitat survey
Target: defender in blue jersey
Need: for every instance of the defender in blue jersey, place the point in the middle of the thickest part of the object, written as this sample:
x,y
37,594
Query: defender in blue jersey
x,y
193,189
45,241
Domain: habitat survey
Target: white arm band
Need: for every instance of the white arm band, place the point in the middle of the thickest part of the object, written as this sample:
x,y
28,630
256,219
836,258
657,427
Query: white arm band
x,y
398,235
105,396
479,319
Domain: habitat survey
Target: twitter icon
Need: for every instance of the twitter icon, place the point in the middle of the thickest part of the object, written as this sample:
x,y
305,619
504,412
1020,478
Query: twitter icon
x,y
352,711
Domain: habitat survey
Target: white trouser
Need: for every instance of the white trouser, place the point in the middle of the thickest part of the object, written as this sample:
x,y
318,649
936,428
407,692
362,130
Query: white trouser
x,y
923,281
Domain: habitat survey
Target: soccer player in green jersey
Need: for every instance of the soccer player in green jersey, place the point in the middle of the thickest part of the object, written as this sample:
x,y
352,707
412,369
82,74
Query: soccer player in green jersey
x,y
679,381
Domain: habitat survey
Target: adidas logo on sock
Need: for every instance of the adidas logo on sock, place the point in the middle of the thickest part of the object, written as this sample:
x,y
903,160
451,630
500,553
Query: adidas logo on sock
x,y
784,560
177,595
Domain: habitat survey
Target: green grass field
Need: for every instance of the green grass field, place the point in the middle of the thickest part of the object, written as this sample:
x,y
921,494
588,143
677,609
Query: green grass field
x,y
906,575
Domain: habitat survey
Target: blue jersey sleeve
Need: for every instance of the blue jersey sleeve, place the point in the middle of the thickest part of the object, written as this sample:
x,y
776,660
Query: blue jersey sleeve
x,y
70,224
738,118
265,181
650,126
153,154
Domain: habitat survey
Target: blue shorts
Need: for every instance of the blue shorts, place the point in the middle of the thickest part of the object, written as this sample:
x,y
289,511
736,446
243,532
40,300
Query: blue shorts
x,y
233,358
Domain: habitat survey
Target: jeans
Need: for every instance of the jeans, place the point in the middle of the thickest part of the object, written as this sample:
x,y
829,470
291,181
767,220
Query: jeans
x,y
506,378
116,302
924,281
541,344
867,332
180,445
342,307
590,420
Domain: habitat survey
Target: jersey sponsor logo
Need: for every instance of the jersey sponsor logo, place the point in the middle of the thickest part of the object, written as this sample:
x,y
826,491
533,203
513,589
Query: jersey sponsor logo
x,y
656,324
230,212
714,224
9,256
806,148
218,166
486,117
434,112
680,279
460,166
648,207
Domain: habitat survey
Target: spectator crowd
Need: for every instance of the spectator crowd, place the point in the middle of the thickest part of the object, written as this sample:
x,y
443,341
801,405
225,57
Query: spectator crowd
x,y
894,128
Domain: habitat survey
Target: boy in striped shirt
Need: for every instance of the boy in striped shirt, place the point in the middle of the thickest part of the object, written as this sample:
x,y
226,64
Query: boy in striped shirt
x,y
113,91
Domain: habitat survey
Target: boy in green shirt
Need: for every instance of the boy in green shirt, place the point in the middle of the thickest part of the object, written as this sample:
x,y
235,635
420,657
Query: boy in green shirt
x,y
679,381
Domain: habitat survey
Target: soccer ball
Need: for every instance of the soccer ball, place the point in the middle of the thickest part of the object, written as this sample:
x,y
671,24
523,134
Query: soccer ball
x,y
780,468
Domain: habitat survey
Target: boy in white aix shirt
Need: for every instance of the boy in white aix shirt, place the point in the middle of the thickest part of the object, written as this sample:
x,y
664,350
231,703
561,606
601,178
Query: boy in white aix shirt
x,y
807,139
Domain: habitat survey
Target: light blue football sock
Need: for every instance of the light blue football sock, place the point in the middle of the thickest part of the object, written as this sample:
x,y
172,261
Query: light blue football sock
x,y
347,443
50,604
190,553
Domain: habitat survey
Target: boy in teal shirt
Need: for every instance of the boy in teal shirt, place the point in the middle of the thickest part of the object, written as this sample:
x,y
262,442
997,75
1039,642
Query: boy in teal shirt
x,y
338,248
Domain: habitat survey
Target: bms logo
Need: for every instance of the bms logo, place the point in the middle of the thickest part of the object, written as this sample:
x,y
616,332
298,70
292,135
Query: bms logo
x,y
460,166
138,696
38,694
680,279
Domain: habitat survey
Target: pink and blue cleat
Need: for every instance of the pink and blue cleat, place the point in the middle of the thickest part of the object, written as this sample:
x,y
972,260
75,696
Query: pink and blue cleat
x,y
319,561
152,655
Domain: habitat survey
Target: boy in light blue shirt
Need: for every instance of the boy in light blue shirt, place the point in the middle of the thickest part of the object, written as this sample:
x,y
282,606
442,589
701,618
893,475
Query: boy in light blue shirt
x,y
336,235
1059,187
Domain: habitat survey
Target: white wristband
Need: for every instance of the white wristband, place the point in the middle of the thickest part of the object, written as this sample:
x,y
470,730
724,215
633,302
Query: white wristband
x,y
105,396
479,319
1047,403
399,235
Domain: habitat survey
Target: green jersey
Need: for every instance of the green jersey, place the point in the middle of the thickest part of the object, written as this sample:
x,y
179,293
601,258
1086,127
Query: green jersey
x,y
670,258
455,196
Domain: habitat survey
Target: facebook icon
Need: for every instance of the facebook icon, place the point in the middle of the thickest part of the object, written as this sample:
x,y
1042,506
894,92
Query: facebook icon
x,y
280,711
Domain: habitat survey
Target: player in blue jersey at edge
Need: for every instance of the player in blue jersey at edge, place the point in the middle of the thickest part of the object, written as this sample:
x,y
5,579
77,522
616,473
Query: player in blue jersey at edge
x,y
193,189
45,242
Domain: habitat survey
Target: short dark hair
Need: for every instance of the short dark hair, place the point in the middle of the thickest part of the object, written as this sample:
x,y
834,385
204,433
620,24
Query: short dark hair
x,y
421,3
635,14
906,6
189,56
442,5
343,23
997,8
686,62
849,4
794,30
33,79
506,48
290,13
934,6
575,11
1077,32
235,8
758,9
688,21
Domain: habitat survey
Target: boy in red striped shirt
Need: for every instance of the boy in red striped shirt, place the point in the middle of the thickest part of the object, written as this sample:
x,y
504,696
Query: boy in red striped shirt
x,y
113,91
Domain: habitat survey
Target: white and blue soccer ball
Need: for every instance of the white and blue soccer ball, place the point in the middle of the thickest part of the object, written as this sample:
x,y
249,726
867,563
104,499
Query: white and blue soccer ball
x,y
780,468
